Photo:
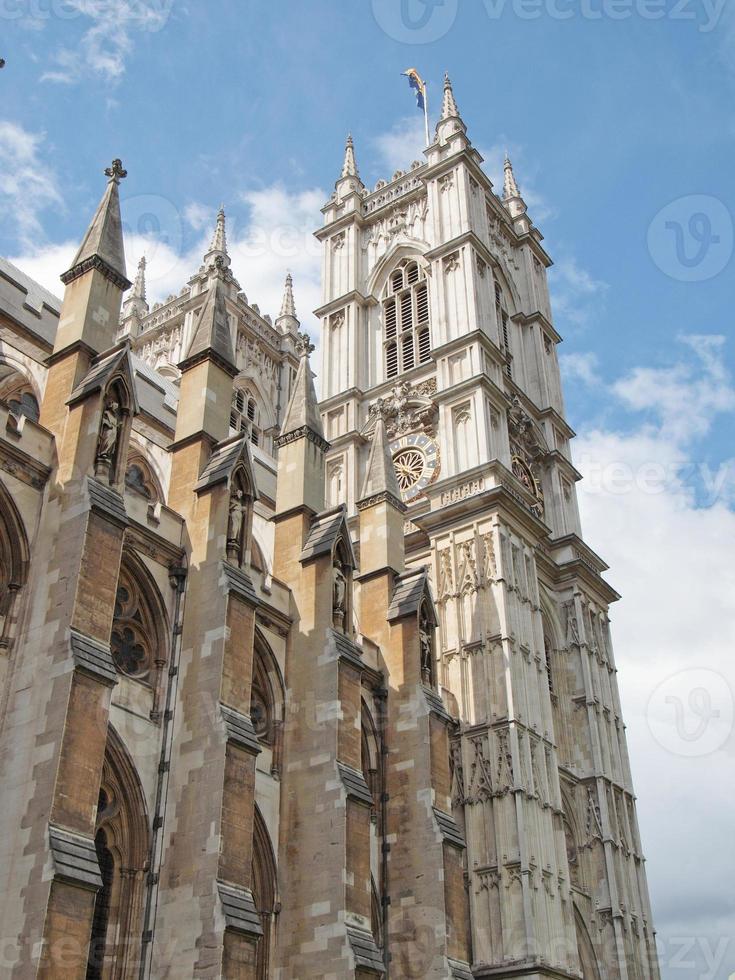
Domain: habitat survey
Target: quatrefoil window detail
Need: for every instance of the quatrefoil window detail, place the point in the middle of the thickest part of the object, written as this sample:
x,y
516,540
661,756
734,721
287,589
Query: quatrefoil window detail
x,y
133,640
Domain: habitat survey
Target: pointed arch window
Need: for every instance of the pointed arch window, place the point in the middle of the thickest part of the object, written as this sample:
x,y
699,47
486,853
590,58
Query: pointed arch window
x,y
122,842
406,321
137,639
245,416
503,318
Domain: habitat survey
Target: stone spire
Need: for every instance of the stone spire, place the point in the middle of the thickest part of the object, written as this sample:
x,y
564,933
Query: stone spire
x,y
349,167
218,247
450,128
349,182
287,321
139,284
135,307
211,336
510,187
102,247
303,408
381,482
449,105
511,195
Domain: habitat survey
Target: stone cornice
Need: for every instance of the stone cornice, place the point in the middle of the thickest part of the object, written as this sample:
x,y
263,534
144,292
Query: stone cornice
x,y
379,498
354,296
98,263
302,433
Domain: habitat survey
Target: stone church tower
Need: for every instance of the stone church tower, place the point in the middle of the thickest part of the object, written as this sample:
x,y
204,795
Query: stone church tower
x,y
303,690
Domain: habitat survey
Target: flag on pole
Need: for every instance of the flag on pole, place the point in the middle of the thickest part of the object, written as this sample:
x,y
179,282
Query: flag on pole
x,y
419,85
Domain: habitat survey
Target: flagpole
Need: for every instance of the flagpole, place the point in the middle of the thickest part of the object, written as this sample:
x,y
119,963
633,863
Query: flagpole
x,y
426,112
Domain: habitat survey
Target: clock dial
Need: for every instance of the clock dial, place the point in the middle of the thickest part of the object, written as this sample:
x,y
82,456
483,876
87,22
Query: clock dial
x,y
416,459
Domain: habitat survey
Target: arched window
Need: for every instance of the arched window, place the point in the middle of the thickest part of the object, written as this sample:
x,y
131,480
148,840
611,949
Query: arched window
x,y
122,843
137,639
245,416
406,327
503,318
265,894
17,393
14,557
140,479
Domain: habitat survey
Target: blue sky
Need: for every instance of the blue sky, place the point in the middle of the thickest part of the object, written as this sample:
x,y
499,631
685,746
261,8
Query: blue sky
x,y
611,116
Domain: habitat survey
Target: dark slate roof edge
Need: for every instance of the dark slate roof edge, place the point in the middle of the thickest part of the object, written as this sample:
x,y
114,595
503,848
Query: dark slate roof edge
x,y
238,907
92,656
365,950
106,501
449,828
239,729
459,969
436,704
238,582
347,649
74,857
354,784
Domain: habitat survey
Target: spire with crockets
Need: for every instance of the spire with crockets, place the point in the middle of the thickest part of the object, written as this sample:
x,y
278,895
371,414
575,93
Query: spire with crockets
x,y
511,195
218,247
287,321
135,307
450,122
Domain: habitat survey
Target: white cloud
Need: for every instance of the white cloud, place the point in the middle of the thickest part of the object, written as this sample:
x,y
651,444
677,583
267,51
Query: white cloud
x,y
27,186
672,560
580,366
575,294
684,397
400,146
107,38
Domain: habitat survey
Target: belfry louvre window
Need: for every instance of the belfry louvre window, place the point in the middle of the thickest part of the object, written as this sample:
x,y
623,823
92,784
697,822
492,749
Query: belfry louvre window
x,y
407,332
501,313
245,417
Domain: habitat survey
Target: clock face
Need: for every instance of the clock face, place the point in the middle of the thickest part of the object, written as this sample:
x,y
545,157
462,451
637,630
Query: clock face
x,y
416,459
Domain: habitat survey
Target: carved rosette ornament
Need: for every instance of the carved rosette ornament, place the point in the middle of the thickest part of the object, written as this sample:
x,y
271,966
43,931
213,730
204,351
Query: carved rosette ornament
x,y
410,417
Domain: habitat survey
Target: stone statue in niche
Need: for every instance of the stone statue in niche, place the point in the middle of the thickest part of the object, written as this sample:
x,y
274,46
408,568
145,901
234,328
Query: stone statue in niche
x,y
235,522
109,432
426,645
339,595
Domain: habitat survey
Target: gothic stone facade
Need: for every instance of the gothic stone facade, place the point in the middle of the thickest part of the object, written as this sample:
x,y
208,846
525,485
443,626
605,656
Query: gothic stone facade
x,y
302,690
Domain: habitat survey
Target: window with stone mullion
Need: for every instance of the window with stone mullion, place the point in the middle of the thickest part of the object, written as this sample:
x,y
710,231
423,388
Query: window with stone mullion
x,y
407,338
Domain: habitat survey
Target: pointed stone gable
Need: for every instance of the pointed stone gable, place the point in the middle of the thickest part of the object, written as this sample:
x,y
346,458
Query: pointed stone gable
x,y
302,414
101,372
223,462
381,482
212,331
412,588
328,527
102,247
